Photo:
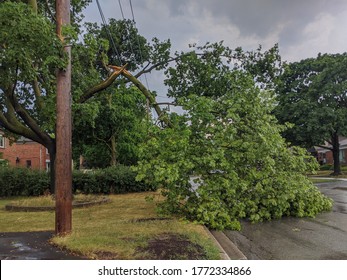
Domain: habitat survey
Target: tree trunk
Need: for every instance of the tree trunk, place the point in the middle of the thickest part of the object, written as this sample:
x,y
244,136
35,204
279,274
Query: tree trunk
x,y
113,151
336,155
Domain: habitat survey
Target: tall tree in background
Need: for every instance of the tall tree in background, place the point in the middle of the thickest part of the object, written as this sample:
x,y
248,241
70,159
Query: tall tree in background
x,y
107,128
112,134
312,95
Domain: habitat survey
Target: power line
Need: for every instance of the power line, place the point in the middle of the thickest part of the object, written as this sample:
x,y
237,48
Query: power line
x,y
141,56
109,33
121,9
126,29
138,41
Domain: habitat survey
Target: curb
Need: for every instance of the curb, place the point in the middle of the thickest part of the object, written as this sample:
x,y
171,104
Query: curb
x,y
228,250
222,253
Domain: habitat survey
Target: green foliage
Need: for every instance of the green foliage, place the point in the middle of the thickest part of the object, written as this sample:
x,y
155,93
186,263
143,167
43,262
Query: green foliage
x,y
22,182
28,45
27,182
112,180
311,95
3,162
231,143
326,167
109,129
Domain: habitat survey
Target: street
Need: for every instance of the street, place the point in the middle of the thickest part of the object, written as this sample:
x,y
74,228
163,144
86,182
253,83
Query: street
x,y
321,238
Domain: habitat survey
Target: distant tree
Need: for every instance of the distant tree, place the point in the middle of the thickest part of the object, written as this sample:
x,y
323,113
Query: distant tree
x,y
111,136
108,128
312,96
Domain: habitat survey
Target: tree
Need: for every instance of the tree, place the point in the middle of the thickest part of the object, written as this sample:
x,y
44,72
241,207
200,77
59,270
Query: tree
x,y
108,127
225,159
30,53
111,135
312,96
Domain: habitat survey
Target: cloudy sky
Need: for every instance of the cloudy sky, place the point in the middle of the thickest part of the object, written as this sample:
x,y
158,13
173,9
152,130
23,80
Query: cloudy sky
x,y
302,28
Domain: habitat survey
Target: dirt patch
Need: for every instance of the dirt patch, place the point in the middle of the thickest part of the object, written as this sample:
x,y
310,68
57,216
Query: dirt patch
x,y
105,255
171,247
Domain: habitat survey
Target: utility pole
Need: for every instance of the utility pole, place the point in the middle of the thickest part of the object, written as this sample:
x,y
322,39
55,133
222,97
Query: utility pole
x,y
63,161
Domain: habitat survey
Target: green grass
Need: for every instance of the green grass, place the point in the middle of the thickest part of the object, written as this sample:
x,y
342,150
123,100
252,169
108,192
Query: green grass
x,y
326,173
321,180
113,228
49,201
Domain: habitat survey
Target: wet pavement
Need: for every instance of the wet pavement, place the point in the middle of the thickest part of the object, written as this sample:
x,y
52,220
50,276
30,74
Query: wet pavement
x,y
31,246
321,238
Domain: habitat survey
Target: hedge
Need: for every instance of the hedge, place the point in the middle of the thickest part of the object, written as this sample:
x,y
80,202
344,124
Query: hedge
x,y
20,181
27,182
117,179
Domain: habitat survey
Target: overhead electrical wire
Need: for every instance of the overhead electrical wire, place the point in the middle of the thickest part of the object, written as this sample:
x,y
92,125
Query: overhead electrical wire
x,y
139,46
116,53
138,41
127,30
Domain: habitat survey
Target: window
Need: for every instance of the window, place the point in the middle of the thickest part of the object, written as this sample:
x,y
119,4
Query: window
x,y
48,165
28,163
342,156
2,141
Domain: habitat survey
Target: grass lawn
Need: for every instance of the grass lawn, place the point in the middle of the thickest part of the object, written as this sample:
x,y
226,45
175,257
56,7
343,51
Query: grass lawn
x,y
321,180
125,228
326,173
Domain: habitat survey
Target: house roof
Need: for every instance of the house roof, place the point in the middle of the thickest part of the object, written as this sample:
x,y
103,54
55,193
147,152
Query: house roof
x,y
342,141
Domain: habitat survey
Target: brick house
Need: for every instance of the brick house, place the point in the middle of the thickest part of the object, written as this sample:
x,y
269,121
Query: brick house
x,y
24,153
325,156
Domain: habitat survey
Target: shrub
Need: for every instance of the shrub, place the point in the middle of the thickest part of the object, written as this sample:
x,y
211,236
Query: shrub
x,y
326,167
20,181
27,182
116,179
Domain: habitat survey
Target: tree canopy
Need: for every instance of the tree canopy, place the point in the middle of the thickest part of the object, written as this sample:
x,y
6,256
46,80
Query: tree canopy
x,y
312,96
225,159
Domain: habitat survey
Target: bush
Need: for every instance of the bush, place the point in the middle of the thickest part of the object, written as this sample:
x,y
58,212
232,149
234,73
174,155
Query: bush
x,y
116,179
326,167
20,181
27,182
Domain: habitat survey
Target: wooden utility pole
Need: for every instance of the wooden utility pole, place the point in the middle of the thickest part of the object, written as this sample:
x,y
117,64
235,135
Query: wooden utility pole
x,y
63,161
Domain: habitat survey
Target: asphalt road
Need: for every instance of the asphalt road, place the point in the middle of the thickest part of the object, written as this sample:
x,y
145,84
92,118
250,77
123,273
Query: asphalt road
x,y
321,238
31,246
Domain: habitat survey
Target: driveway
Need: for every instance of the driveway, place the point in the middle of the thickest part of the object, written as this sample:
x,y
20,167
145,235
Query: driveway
x,y
31,246
321,238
